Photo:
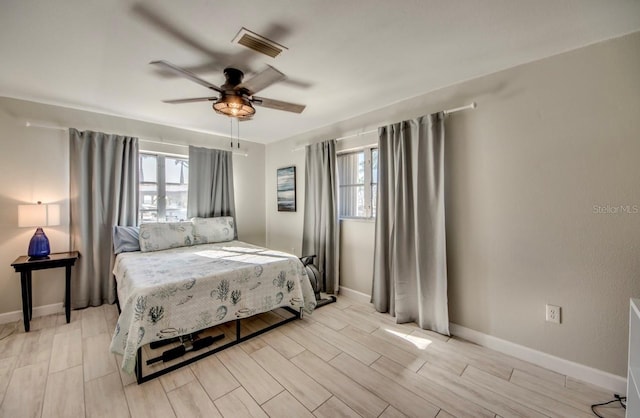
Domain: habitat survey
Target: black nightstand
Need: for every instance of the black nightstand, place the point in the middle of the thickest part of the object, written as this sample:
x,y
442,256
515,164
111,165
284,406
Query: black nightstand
x,y
24,266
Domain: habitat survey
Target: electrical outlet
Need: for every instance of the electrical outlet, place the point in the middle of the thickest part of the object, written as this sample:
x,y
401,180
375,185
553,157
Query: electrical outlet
x,y
553,314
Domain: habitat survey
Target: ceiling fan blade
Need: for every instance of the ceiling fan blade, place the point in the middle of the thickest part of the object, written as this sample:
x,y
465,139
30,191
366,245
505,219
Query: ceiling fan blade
x,y
187,74
278,104
195,99
262,80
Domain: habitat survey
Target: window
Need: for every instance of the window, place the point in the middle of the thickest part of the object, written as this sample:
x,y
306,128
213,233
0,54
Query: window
x,y
358,181
163,188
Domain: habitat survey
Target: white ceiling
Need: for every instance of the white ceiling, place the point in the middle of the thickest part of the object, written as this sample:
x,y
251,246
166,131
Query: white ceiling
x,y
345,57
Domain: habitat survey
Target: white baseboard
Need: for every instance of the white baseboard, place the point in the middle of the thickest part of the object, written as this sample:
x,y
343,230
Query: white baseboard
x,y
606,380
14,316
354,294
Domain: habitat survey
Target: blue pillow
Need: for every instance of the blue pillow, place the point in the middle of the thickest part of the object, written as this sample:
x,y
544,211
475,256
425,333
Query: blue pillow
x,y
126,239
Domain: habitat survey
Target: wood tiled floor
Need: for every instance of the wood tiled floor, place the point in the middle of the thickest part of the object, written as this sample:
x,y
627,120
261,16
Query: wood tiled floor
x,y
346,360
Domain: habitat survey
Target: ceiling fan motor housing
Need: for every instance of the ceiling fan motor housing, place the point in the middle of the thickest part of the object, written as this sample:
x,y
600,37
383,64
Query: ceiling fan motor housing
x,y
233,101
233,77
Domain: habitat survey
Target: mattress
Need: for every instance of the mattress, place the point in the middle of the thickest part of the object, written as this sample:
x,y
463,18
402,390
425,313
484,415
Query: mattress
x,y
164,294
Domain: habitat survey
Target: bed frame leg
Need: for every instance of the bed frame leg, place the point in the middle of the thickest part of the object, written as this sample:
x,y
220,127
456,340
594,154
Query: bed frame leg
x,y
139,365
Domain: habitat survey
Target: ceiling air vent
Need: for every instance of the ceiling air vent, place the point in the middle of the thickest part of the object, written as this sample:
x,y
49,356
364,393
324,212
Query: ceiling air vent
x,y
258,43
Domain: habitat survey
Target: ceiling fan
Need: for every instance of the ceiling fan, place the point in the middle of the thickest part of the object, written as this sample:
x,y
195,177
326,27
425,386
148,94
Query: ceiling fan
x,y
236,97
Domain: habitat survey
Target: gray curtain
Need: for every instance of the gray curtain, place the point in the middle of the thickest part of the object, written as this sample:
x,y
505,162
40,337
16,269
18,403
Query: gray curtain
x,y
320,234
211,184
410,262
103,180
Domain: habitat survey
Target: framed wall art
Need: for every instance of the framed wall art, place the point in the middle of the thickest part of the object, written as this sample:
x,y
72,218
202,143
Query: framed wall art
x,y
286,189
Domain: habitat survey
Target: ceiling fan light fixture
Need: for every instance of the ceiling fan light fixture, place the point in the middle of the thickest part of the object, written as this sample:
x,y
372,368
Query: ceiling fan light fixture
x,y
234,106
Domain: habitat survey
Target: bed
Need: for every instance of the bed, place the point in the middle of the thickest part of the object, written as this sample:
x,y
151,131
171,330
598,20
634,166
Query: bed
x,y
164,293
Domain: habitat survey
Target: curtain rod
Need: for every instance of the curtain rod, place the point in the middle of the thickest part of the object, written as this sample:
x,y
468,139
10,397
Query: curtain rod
x,y
447,112
150,141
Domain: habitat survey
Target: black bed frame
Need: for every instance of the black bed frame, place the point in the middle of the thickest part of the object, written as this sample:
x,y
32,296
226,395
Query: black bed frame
x,y
141,379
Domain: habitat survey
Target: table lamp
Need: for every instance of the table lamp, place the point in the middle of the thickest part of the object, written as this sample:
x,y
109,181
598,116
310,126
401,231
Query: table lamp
x,y
38,215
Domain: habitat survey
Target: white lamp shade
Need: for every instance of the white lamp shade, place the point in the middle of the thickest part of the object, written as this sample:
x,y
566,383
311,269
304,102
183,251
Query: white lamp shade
x,y
32,215
53,215
38,215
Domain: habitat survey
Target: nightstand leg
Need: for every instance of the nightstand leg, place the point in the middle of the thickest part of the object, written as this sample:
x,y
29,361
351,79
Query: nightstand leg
x,y
30,292
67,295
25,299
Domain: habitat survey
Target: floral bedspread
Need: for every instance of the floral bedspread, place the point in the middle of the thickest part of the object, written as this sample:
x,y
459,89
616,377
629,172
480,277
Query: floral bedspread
x,y
168,293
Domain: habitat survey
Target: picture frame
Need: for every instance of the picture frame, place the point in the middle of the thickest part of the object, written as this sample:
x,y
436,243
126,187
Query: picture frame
x,y
286,189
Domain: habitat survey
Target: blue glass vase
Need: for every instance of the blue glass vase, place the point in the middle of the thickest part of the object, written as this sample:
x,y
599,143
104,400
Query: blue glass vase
x,y
39,245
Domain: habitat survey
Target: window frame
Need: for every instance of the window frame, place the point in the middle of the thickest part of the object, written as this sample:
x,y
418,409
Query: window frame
x,y
368,182
161,197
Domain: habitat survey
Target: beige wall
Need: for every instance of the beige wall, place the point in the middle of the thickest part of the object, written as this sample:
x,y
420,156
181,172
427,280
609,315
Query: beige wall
x,y
551,143
357,240
34,165
284,229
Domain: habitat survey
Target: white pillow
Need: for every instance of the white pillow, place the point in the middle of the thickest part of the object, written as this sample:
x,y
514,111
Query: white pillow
x,y
164,235
210,230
